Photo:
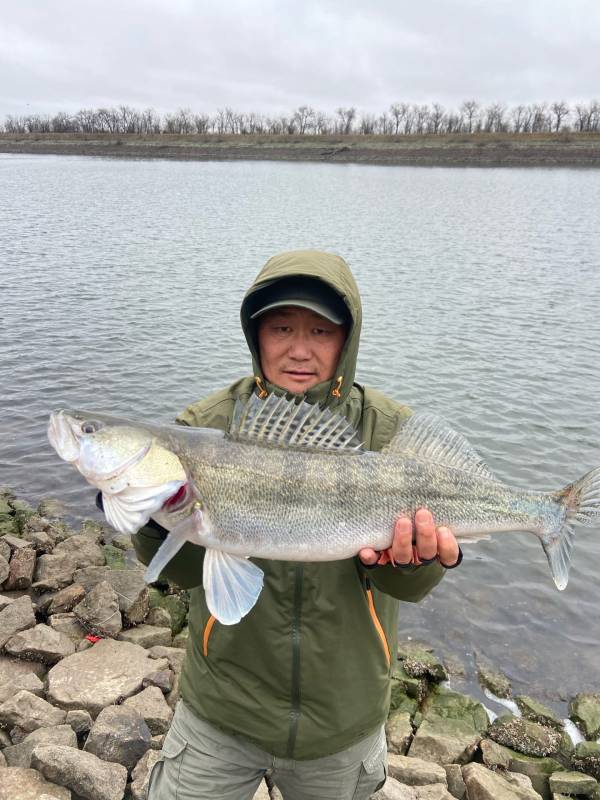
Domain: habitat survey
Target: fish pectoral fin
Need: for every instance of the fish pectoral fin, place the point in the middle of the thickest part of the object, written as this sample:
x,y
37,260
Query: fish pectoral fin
x,y
232,585
185,531
132,507
428,437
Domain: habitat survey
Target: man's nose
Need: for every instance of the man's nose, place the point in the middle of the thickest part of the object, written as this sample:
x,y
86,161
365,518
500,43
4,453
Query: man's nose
x,y
299,348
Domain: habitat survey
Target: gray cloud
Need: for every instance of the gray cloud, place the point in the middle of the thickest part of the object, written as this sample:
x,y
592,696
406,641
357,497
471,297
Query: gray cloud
x,y
271,56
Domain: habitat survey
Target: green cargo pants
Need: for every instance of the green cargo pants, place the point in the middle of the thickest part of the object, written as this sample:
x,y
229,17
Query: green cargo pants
x,y
199,761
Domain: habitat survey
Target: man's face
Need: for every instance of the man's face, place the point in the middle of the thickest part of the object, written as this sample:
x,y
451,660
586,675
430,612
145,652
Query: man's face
x,y
298,348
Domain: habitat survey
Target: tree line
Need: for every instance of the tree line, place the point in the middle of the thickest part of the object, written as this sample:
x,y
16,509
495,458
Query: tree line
x,y
401,119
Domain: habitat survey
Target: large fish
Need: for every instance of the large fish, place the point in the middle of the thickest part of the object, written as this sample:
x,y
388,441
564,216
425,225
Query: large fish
x,y
291,481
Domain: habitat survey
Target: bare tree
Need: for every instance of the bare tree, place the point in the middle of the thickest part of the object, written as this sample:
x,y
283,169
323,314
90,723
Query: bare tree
x,y
303,117
560,111
346,119
470,108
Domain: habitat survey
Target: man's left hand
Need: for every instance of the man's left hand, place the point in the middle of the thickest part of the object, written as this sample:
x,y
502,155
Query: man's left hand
x,y
415,543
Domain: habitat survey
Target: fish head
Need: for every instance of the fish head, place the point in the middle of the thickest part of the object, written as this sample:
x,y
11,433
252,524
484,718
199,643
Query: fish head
x,y
135,472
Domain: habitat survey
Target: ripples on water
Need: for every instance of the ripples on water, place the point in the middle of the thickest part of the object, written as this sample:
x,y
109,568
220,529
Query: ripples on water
x,y
121,282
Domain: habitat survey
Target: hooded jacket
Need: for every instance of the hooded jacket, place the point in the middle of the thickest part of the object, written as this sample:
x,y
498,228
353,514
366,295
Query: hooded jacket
x,y
307,672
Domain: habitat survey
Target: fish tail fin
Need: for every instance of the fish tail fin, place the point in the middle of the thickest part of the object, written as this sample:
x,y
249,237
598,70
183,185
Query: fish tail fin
x,y
581,504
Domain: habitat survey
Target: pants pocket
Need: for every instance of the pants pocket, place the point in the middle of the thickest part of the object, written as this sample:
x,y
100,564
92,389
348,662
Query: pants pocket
x,y
373,770
163,783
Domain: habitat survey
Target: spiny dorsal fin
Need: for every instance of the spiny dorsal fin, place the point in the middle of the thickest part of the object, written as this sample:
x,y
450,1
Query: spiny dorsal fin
x,y
430,438
279,422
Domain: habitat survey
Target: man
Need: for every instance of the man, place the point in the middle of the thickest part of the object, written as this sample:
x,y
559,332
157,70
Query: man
x,y
300,687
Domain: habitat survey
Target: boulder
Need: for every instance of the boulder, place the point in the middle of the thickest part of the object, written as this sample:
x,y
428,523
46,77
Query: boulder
x,y
538,770
28,681
160,617
129,585
19,755
79,720
141,774
536,712
525,736
83,773
66,599
119,735
573,783
22,567
18,783
147,636
40,643
13,668
99,611
54,571
164,679
419,662
492,679
456,784
174,656
399,732
29,712
101,676
41,541
182,637
16,542
584,710
83,549
415,771
483,784
404,684
17,616
51,508
69,625
587,758
4,566
151,704
114,557
176,605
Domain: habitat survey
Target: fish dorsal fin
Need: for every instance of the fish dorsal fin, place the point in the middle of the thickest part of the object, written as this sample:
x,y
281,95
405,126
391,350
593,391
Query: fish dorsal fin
x,y
427,437
280,422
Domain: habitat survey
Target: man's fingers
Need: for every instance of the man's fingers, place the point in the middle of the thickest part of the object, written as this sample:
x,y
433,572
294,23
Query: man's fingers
x,y
368,556
447,545
426,539
402,549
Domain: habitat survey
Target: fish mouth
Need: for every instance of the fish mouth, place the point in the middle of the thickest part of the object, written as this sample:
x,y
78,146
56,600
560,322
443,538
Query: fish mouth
x,y
63,436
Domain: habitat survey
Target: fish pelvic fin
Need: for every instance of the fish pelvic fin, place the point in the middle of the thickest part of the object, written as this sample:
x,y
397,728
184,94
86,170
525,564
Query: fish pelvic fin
x,y
184,531
232,585
581,503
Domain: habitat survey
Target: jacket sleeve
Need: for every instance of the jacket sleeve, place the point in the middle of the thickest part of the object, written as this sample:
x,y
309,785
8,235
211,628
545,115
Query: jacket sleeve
x,y
184,569
410,585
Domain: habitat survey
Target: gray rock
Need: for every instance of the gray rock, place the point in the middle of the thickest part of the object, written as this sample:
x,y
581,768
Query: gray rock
x,y
399,732
573,783
174,655
483,784
173,697
536,712
41,541
41,643
66,599
12,668
19,755
122,541
158,616
420,663
119,735
19,783
415,771
99,611
129,585
101,676
16,543
151,704
5,740
83,773
69,625
587,758
456,784
51,508
27,681
147,636
493,680
182,637
164,679
21,569
585,711
84,550
17,616
525,736
4,550
79,720
141,774
54,571
158,741
393,790
262,793
29,712
4,567
5,600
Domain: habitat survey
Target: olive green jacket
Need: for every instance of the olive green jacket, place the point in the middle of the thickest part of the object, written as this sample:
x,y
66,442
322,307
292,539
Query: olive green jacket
x,y
307,672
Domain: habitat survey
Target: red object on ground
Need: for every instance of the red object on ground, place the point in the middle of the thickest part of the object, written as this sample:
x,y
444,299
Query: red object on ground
x,y
93,639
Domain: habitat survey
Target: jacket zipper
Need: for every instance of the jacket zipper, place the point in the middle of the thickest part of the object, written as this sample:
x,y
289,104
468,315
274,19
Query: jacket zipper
x,y
207,631
296,638
377,623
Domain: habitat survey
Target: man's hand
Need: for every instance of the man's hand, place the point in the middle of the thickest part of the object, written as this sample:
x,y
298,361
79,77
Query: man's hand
x,y
429,543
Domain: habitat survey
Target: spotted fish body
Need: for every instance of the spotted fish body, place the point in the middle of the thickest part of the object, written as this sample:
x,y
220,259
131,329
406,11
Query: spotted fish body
x,y
290,481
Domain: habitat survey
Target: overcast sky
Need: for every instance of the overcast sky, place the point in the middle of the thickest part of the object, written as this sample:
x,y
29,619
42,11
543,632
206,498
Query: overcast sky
x,y
273,55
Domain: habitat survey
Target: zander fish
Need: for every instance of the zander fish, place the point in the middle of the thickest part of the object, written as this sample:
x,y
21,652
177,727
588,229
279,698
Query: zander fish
x,y
291,481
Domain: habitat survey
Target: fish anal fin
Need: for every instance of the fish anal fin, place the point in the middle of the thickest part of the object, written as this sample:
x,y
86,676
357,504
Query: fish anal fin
x,y
232,585
279,422
428,437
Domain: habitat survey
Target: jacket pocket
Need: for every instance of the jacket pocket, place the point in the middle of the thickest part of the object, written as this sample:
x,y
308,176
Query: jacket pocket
x,y
378,626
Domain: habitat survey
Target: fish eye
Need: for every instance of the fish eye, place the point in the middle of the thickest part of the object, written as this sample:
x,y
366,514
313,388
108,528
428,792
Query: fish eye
x,y
90,426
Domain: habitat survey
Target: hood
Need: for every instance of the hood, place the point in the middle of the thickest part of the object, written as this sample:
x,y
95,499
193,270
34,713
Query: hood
x,y
333,271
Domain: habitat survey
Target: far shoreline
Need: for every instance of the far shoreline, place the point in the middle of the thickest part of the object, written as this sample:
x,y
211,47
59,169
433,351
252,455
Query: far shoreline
x,y
564,149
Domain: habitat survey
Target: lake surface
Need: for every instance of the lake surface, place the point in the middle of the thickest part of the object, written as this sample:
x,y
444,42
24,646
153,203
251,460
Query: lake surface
x,y
121,283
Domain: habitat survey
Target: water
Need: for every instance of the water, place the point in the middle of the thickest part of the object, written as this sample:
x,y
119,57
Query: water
x,y
121,282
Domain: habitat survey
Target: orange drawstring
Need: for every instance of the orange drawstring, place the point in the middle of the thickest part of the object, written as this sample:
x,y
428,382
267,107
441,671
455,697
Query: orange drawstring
x,y
262,392
338,385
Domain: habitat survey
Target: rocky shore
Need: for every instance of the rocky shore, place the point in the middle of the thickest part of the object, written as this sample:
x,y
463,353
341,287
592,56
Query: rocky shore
x,y
90,659
568,149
